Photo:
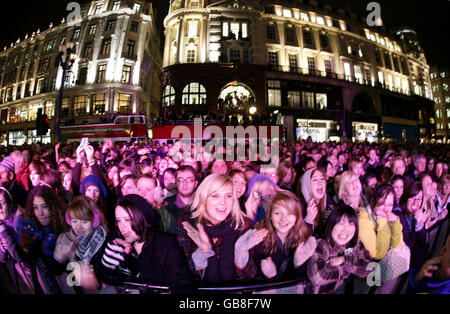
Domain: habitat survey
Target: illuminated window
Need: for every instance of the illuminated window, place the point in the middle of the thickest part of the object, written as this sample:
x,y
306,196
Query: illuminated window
x,y
321,101
194,3
93,29
439,113
294,100
447,99
137,7
273,57
435,88
437,100
274,93
308,100
76,34
347,71
194,94
80,105
304,16
101,73
287,13
244,30
190,56
124,103
65,107
343,25
234,28
98,104
328,68
87,51
443,74
445,87
380,77
320,20
98,8
126,74
168,96
116,5
192,29
106,47
225,30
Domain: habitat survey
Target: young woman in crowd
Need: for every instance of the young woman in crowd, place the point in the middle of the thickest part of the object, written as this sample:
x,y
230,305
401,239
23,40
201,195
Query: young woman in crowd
x,y
279,246
316,203
339,254
259,192
286,175
350,190
398,184
128,185
138,252
78,246
208,234
240,185
38,229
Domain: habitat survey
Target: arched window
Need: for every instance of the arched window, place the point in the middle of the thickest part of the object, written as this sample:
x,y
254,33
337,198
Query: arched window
x,y
194,94
236,95
168,96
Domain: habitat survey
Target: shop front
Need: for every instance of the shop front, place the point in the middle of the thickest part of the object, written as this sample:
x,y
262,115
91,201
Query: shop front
x,y
318,130
363,131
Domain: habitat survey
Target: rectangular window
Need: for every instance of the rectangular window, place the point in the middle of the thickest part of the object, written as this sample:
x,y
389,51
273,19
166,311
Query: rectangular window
x,y
246,56
321,101
190,56
324,42
80,105
320,20
101,73
225,30
293,62
287,13
124,103
116,5
271,32
192,29
290,34
134,26
98,8
49,108
93,29
396,64
234,29
311,65
304,16
294,99
87,52
378,58
235,55
328,68
106,47
308,100
99,103
137,7
274,97
358,74
307,38
76,34
387,59
126,74
368,76
110,25
347,71
130,48
381,77
65,107
244,30
273,57
82,76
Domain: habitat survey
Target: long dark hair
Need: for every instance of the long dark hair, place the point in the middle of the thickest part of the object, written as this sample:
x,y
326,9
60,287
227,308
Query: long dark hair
x,y
413,189
56,206
138,221
379,194
335,217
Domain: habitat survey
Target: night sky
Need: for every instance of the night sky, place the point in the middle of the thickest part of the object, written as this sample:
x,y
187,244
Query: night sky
x,y
430,19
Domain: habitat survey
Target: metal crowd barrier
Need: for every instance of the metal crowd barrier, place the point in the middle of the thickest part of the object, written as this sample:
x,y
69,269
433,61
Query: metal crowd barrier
x,y
289,286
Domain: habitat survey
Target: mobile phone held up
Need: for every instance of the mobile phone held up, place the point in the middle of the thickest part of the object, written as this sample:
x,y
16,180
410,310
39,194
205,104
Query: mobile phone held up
x,y
85,141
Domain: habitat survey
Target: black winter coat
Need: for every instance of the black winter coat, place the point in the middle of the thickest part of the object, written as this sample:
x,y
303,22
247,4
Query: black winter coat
x,y
161,263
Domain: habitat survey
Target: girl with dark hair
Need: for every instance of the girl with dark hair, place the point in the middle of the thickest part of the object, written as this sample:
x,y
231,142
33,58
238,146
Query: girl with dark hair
x,y
413,219
286,175
140,253
240,185
398,184
38,228
339,254
280,245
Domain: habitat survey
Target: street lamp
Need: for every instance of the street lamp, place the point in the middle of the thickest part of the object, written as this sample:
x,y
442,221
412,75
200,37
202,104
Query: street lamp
x,y
66,59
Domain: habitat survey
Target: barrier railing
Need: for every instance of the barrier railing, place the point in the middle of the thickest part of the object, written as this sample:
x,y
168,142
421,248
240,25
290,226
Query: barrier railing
x,y
225,289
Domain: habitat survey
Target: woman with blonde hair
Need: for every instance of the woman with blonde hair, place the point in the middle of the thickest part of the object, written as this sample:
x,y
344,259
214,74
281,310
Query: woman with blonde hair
x,y
209,232
350,190
281,243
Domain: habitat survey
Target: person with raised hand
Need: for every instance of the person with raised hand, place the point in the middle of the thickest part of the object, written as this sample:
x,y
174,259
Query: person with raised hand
x,y
140,253
209,232
279,246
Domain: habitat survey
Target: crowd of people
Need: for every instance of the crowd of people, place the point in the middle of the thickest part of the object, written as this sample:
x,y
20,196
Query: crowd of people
x,y
340,217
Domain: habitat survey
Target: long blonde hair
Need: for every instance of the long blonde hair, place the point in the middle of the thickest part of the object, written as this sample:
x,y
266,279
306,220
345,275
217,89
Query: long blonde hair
x,y
209,186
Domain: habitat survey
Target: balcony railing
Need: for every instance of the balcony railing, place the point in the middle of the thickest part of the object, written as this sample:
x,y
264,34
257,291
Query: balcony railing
x,y
336,76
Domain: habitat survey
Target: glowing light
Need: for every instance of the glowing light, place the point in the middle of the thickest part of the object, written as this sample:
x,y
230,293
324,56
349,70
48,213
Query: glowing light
x,y
253,110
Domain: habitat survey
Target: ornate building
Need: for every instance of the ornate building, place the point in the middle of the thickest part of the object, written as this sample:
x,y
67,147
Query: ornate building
x,y
321,71
440,80
116,70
